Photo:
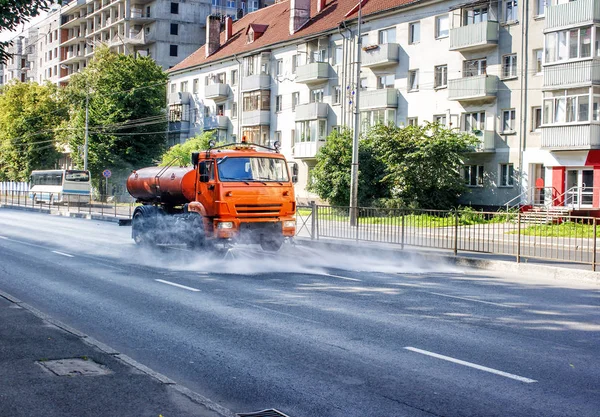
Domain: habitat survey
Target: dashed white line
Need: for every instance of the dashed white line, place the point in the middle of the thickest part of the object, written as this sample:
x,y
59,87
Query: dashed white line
x,y
177,285
340,277
469,299
471,365
63,254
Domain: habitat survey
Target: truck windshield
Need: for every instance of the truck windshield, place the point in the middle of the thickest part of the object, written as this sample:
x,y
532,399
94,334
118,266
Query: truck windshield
x,y
252,169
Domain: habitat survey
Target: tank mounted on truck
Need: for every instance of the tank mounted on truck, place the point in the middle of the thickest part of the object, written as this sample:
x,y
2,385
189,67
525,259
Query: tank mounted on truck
x,y
239,192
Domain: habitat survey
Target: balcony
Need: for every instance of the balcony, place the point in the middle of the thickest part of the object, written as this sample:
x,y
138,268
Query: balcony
x,y
572,73
378,99
303,150
486,141
571,137
256,118
256,82
139,16
480,87
375,56
474,37
217,92
216,122
314,73
572,13
179,98
312,111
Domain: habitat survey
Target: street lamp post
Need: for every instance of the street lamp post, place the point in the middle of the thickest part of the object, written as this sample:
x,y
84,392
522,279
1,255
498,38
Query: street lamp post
x,y
354,172
87,117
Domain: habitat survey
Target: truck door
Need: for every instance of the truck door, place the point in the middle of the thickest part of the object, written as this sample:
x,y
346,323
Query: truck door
x,y
206,186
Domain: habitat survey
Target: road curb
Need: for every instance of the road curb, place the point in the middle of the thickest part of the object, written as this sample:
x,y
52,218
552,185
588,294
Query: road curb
x,y
193,396
75,215
553,272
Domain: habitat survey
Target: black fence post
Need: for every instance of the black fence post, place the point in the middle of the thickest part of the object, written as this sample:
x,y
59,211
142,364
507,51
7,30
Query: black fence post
x,y
402,230
594,246
313,222
456,233
519,237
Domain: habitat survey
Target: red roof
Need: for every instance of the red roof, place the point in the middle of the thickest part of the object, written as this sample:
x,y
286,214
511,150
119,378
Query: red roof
x,y
276,19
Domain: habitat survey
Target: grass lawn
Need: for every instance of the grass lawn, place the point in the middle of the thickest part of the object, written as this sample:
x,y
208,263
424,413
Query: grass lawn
x,y
566,229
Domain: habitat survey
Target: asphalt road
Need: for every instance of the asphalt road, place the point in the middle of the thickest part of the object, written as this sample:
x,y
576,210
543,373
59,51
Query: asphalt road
x,y
313,333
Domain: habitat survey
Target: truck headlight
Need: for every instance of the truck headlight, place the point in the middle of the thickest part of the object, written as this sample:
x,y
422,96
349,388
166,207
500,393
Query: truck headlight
x,y
225,225
289,223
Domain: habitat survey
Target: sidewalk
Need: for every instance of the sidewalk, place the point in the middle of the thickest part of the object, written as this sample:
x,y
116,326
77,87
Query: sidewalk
x,y
94,381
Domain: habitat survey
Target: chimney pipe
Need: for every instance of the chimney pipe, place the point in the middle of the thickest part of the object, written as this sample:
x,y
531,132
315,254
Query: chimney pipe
x,y
299,14
321,5
213,34
228,29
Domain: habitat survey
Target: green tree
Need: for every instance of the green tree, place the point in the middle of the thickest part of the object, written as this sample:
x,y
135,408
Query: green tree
x,y
181,154
29,115
15,12
331,175
127,119
423,163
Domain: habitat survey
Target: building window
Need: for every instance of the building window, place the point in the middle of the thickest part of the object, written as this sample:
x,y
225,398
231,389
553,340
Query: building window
x,y
440,119
195,85
174,8
234,110
295,100
278,104
509,66
510,11
536,119
249,65
386,81
537,59
412,121
570,106
277,137
337,94
173,49
363,83
540,8
441,76
507,172
173,88
279,67
257,100
442,26
174,29
474,122
387,36
508,121
184,86
296,62
206,111
338,54
568,44
414,32
473,175
474,67
371,118
234,77
475,15
316,96
413,80
231,4
220,78
310,130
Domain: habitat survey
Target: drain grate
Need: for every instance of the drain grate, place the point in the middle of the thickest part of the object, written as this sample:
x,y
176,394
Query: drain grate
x,y
264,413
75,367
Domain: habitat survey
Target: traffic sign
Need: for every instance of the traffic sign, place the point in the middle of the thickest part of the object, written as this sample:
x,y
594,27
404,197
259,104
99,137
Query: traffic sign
x,y
107,173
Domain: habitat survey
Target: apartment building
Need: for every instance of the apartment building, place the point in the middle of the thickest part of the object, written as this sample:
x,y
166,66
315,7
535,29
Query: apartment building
x,y
16,66
236,9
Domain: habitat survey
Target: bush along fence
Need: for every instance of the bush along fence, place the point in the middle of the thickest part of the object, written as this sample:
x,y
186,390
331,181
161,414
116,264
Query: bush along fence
x,y
564,238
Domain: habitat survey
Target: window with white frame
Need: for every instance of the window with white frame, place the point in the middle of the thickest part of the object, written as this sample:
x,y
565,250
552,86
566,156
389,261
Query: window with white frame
x,y
295,100
508,121
296,62
249,65
536,119
310,130
257,100
387,36
316,95
571,106
414,32
413,80
540,7
473,175
371,118
234,77
220,78
568,44
475,15
386,81
195,85
511,13
234,110
440,119
509,66
173,88
337,94
319,55
474,67
184,87
278,104
412,121
363,83
507,173
279,67
474,121
338,55
231,4
442,26
440,76
538,55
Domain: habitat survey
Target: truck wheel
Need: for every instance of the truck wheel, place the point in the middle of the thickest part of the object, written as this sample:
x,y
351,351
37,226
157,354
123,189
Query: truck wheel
x,y
196,237
143,225
271,243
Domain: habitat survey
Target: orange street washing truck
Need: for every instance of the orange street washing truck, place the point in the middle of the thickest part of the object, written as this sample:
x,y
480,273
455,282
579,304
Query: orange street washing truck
x,y
233,193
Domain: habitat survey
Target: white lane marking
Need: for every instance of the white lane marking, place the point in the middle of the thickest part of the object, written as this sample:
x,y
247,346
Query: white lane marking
x,y
3,237
177,285
282,313
63,254
340,277
472,365
469,299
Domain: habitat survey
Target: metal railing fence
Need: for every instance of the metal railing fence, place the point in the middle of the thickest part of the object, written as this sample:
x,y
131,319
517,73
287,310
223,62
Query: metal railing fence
x,y
561,238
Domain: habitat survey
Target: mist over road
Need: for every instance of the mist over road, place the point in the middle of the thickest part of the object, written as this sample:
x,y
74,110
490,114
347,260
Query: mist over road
x,y
314,333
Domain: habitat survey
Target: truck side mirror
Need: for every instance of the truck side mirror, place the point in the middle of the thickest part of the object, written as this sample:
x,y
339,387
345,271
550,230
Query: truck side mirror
x,y
294,169
195,158
203,171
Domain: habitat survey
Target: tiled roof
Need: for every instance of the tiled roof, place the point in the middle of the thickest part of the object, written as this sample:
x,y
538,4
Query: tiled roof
x,y
277,18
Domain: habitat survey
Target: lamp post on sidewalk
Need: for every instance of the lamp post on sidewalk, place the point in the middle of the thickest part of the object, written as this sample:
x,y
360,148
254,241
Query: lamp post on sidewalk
x,y
354,172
